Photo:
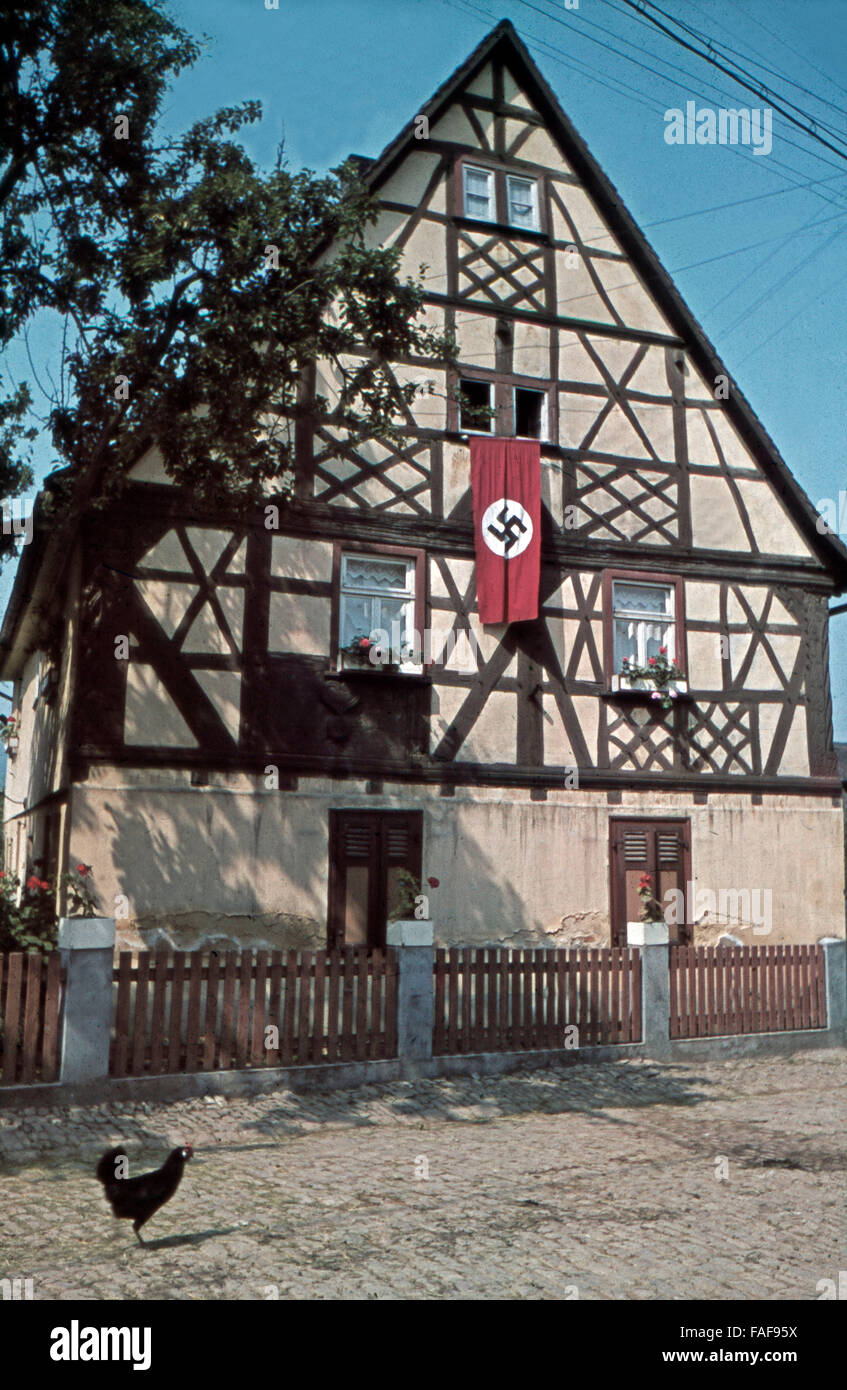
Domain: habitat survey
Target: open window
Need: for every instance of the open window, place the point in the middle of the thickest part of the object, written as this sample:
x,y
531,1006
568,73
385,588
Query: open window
x,y
475,400
530,413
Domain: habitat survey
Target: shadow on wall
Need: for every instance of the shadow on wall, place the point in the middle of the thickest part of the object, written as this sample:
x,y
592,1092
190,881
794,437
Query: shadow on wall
x,y
218,871
223,870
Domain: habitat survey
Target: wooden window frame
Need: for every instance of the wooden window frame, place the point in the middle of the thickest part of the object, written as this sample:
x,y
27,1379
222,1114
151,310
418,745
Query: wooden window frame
x,y
509,383
465,429
491,164
616,908
418,556
337,863
673,581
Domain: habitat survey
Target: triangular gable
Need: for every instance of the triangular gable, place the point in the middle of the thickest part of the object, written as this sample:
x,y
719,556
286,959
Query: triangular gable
x,y
593,212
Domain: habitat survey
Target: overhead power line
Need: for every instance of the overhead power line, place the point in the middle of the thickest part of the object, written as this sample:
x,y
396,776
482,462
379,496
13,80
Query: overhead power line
x,y
744,79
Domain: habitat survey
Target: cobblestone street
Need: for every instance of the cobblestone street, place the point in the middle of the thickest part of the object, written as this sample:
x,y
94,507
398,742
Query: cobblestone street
x,y
596,1182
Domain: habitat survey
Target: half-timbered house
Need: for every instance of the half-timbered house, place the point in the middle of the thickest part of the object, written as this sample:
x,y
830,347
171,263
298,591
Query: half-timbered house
x,y
231,774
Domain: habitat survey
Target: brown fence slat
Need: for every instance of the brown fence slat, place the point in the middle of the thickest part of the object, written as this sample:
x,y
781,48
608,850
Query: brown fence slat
x,y
260,1019
361,1025
209,1025
553,1037
304,1004
333,997
348,984
673,986
228,1011
12,1015
242,1030
821,1020
467,995
439,1031
120,1051
32,1011
805,986
177,973
479,1000
635,968
376,1033
272,1055
747,990
139,1029
52,1004
391,1004
561,995
319,999
157,1021
620,1020
192,1026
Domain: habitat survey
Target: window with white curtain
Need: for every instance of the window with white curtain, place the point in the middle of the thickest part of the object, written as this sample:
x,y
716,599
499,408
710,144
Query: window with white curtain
x,y
377,594
480,190
643,616
479,193
522,202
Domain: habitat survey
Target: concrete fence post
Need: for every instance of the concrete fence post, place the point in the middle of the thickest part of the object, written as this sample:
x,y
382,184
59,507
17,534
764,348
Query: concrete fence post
x,y
414,942
835,962
653,939
86,947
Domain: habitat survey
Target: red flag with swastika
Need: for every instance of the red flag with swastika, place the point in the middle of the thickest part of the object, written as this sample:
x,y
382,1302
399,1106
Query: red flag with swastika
x,y
506,486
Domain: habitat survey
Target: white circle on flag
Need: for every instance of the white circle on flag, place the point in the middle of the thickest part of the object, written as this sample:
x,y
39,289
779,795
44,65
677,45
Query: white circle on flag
x,y
506,528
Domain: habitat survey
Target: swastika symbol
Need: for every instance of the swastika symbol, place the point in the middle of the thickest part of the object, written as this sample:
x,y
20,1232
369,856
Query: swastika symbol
x,y
508,535
506,528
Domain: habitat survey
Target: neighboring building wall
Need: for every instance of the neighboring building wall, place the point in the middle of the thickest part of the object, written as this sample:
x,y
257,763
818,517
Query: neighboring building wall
x,y
36,777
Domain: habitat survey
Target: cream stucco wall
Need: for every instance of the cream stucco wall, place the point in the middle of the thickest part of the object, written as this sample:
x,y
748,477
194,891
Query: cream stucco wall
x,y
234,861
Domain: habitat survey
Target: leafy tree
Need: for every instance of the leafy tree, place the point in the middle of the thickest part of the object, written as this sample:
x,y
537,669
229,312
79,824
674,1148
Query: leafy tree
x,y
194,288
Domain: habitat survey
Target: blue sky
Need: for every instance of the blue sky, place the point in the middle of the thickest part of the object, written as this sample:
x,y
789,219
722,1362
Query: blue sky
x,y
766,277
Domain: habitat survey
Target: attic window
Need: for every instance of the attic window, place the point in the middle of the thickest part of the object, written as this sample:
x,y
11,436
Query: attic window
x,y
492,195
522,202
529,413
479,193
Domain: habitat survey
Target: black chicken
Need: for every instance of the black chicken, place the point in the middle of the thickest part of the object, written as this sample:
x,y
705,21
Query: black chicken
x,y
136,1199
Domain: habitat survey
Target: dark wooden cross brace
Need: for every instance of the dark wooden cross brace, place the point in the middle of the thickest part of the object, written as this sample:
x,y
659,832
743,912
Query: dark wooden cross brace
x,y
533,644
738,733
407,453
665,488
480,251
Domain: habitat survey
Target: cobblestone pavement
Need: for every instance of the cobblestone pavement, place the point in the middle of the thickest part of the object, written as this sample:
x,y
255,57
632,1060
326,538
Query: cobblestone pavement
x,y
596,1182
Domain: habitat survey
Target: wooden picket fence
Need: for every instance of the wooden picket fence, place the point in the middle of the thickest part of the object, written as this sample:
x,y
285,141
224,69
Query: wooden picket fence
x,y
30,1004
186,1012
722,990
496,999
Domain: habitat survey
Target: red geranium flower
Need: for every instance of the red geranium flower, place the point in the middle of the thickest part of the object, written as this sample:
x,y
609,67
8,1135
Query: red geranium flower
x,y
365,643
82,869
33,882
663,651
651,661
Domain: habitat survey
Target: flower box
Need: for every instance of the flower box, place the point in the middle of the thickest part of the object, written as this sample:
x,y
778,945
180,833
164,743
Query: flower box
x,y
622,683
